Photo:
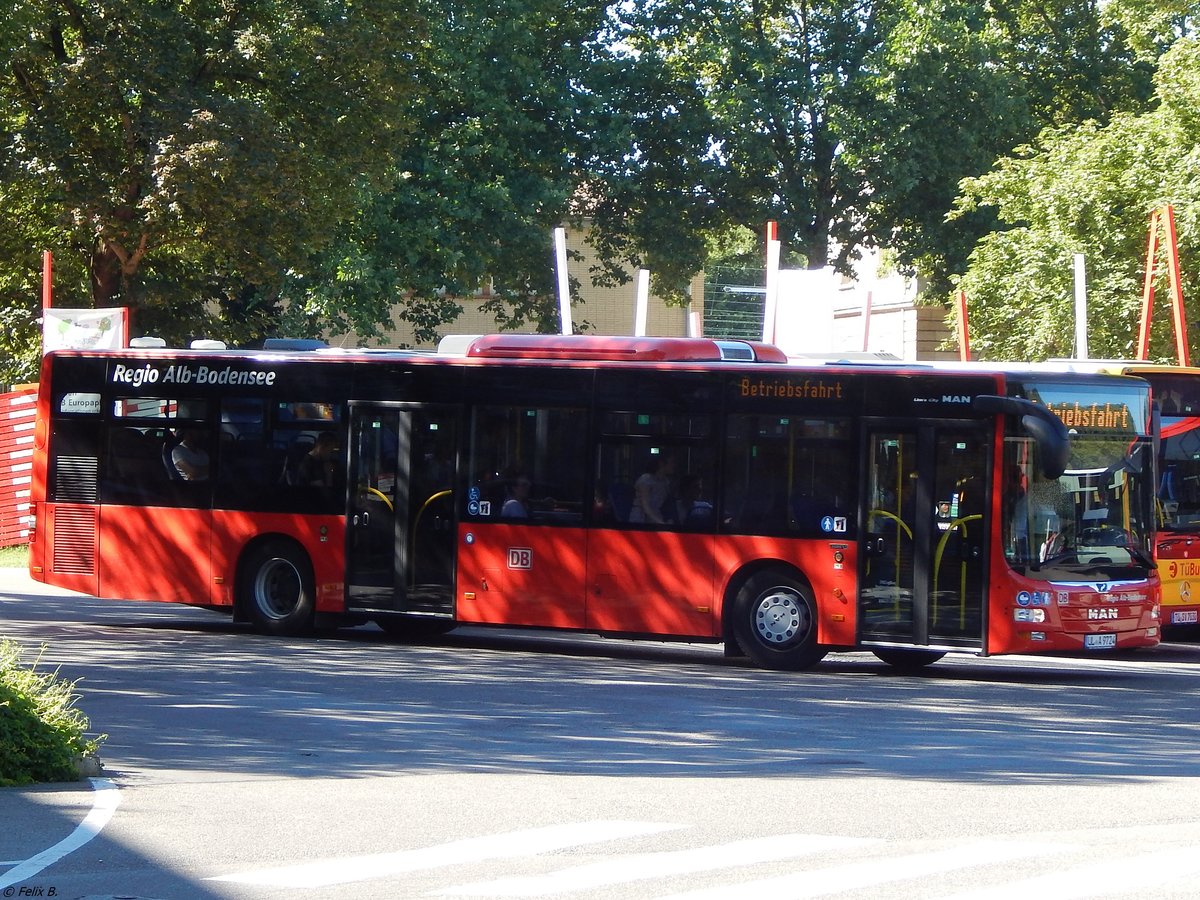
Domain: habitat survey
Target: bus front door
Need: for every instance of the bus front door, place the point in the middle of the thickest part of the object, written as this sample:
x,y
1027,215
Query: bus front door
x,y
923,580
400,520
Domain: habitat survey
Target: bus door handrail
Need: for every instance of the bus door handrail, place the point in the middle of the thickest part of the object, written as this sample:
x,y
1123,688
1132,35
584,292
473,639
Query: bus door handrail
x,y
412,537
887,514
962,577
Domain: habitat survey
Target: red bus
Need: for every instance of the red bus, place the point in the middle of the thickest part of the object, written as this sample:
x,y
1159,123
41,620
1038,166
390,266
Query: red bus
x,y
680,489
1176,390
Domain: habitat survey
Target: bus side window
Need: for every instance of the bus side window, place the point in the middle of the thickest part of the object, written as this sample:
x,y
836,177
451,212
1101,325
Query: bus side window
x,y
656,471
788,475
528,461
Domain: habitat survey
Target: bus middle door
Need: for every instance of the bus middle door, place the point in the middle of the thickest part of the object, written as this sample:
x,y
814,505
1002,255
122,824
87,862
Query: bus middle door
x,y
400,517
924,545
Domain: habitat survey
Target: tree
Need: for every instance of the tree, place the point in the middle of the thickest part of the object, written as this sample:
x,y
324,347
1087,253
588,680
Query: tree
x,y
1086,189
149,140
502,128
850,124
737,113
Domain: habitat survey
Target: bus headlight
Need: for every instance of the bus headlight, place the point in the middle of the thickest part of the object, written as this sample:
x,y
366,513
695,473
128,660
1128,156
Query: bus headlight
x,y
1029,615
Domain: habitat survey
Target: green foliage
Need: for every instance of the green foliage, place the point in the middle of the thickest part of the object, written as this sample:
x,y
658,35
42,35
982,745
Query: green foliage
x,y
235,170
42,733
15,556
736,114
173,154
1087,189
500,125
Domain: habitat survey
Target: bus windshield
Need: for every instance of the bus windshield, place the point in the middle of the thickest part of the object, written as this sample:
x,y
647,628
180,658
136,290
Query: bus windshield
x,y
1096,518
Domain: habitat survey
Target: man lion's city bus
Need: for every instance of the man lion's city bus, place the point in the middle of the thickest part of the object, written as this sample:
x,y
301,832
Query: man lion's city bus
x,y
672,488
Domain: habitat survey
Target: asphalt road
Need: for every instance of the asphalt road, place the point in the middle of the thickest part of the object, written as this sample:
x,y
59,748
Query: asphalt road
x,y
518,764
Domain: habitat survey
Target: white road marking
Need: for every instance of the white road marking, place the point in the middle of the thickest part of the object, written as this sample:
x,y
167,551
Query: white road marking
x,y
500,846
838,879
642,866
1130,874
106,797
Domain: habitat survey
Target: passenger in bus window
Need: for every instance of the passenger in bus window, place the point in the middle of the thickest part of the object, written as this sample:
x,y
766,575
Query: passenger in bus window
x,y
318,466
517,504
690,505
651,490
190,457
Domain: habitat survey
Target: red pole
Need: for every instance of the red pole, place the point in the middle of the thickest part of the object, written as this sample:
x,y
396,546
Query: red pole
x,y
964,339
1181,341
47,279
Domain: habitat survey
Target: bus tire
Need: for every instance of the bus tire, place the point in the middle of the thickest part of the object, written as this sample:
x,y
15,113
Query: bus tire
x,y
775,622
907,660
278,589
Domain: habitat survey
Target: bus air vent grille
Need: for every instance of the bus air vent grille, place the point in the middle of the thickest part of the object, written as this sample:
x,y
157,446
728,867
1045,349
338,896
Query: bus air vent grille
x,y
75,541
76,479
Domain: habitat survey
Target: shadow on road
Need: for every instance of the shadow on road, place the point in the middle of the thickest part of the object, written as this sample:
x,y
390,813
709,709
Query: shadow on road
x,y
184,689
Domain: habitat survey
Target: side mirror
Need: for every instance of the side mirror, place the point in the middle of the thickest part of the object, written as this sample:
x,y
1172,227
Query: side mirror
x,y
1046,429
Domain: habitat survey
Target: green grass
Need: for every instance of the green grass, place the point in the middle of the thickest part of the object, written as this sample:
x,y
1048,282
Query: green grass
x,y
14,557
42,734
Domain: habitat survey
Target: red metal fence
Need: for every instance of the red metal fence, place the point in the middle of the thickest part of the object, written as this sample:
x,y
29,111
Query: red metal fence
x,y
17,410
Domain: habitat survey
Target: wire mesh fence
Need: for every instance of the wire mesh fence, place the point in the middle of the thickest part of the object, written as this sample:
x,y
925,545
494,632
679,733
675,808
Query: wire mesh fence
x,y
734,298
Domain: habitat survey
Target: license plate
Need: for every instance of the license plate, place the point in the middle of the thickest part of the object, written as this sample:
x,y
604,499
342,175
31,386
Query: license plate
x,y
1184,617
1099,641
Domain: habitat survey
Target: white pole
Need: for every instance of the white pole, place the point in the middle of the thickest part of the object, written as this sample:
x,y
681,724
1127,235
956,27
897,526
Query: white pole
x,y
564,284
695,324
1081,341
866,317
771,304
642,304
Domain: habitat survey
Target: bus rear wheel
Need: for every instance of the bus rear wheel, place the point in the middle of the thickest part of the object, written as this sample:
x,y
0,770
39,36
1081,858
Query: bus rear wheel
x,y
775,622
277,589
907,660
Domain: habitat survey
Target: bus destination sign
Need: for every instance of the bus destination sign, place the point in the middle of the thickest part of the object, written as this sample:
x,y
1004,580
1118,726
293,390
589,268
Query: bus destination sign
x,y
1094,416
190,373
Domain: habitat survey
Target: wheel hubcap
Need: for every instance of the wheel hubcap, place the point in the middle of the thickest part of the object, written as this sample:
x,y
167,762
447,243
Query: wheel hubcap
x,y
781,618
277,588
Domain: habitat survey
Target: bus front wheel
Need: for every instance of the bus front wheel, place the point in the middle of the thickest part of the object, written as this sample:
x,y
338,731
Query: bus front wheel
x,y
775,622
277,589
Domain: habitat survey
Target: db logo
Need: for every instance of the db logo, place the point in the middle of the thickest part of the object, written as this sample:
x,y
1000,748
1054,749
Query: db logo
x,y
520,558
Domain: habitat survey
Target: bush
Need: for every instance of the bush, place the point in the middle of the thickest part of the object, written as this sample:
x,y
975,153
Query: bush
x,y
42,734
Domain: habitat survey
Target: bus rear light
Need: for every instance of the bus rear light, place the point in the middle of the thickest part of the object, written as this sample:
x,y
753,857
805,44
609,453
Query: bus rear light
x,y
1029,615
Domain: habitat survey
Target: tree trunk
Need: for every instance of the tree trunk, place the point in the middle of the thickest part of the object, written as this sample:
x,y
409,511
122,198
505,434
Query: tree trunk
x,y
106,275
